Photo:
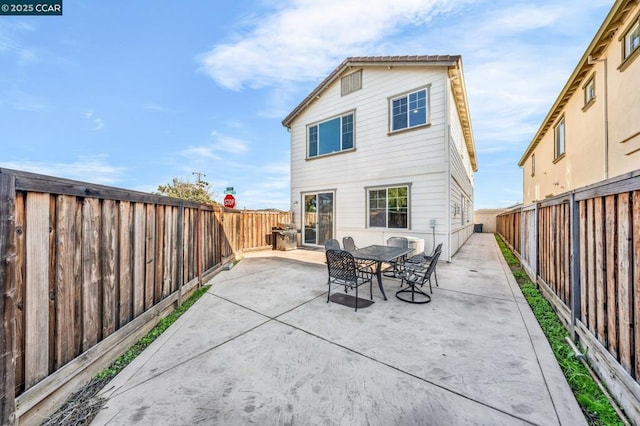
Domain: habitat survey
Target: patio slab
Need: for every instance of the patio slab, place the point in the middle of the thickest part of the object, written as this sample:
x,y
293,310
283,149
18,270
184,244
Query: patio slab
x,y
263,346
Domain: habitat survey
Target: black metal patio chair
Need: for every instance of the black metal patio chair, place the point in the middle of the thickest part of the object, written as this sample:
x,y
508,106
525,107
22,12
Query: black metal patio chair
x,y
417,275
332,244
424,259
343,271
349,245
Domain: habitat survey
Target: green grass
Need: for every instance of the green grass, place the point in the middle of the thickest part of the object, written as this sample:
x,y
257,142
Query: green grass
x,y
594,404
123,360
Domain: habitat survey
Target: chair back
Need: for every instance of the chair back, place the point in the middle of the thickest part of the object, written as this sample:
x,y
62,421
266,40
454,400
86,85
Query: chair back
x,y
332,244
348,244
342,265
438,249
398,242
432,266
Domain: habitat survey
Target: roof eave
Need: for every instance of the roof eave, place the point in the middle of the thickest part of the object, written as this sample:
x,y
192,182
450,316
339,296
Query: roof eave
x,y
600,42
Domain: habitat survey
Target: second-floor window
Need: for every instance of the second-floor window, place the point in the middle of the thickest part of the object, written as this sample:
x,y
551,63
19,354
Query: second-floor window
x,y
409,110
559,138
329,136
589,91
631,39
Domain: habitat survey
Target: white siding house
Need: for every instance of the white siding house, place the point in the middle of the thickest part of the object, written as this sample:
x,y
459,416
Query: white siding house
x,y
383,147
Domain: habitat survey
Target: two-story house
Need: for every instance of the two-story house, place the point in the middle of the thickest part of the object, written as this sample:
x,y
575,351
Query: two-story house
x,y
384,147
592,131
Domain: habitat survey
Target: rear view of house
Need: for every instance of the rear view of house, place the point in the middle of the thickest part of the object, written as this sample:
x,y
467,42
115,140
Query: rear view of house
x,y
383,147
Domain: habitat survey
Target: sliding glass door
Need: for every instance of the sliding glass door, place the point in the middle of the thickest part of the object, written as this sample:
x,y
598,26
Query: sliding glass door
x,y
318,217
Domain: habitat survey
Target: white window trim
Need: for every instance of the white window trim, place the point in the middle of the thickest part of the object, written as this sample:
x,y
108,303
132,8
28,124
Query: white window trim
x,y
406,94
589,98
386,188
629,56
317,123
556,145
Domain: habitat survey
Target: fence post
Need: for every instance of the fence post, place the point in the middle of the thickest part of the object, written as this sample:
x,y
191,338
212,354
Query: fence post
x,y
575,263
7,292
199,255
535,238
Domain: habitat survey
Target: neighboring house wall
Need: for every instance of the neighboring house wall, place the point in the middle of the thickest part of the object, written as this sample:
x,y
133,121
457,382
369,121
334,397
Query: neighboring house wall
x,y
487,217
416,157
602,136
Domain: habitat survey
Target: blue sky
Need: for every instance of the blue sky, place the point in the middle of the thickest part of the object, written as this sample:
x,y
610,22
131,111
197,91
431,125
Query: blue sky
x,y
132,94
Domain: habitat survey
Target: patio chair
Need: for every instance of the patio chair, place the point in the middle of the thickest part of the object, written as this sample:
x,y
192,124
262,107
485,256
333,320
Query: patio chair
x,y
349,245
395,268
332,244
344,272
424,258
415,276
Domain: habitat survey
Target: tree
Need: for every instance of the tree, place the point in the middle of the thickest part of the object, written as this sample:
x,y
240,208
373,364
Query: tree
x,y
198,191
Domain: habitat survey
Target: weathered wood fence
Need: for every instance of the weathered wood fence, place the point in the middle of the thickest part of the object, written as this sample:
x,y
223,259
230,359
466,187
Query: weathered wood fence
x,y
583,250
86,270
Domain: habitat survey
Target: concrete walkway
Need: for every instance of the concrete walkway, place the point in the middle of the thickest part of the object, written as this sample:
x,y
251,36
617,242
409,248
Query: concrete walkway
x,y
264,347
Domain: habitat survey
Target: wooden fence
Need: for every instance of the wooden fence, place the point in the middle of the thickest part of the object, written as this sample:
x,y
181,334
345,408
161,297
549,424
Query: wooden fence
x,y
583,250
86,270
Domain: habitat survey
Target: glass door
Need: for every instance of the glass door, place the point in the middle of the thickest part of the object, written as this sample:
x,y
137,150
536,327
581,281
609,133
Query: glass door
x,y
318,218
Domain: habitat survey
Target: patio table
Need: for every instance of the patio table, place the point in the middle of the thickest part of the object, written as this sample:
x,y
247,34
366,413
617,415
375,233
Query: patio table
x,y
380,254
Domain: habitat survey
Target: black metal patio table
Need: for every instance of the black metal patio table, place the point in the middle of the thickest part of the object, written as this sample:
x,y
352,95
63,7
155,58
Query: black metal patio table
x,y
380,254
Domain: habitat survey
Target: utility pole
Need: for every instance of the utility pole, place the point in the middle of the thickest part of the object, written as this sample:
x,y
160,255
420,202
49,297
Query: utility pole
x,y
199,180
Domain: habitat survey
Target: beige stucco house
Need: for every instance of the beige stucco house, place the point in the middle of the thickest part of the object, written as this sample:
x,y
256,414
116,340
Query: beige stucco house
x,y
592,131
382,148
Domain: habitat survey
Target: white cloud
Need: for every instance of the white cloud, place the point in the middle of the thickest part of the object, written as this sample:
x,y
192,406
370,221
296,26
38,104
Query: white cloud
x,y
94,169
303,40
96,122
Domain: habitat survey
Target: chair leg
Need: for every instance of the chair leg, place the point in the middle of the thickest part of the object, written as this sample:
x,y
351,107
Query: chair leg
x,y
356,296
329,292
435,273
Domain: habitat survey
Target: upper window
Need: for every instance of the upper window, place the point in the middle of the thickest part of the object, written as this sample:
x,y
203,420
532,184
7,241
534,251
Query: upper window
x,y
389,207
410,110
330,136
632,39
590,91
351,83
533,165
559,138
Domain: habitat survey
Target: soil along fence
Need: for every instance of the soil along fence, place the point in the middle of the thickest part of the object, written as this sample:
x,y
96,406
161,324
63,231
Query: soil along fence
x,y
86,270
583,250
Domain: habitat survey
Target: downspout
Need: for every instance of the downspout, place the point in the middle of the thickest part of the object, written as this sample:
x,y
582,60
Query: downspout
x,y
593,61
447,147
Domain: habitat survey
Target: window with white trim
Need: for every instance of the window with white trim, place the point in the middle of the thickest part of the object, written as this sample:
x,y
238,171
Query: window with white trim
x,y
329,136
409,110
631,39
559,138
590,91
389,207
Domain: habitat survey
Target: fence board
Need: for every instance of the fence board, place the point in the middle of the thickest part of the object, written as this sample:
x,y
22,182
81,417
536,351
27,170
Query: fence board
x,y
159,256
612,294
109,253
51,309
624,283
150,251
584,282
591,288
91,279
599,217
125,249
65,279
37,289
138,259
7,292
20,272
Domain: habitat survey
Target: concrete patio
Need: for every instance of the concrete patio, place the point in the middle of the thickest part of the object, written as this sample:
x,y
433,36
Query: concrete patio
x,y
264,347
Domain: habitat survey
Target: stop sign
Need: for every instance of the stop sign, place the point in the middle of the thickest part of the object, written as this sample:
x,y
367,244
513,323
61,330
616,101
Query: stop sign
x,y
229,201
